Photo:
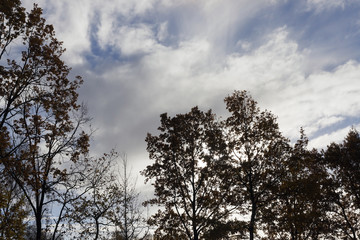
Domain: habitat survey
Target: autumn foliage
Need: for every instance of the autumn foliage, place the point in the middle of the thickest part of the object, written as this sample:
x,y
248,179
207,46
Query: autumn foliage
x,y
239,177
230,177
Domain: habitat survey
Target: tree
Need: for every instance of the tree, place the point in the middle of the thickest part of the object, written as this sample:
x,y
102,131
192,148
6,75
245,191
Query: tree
x,y
128,216
69,191
189,154
13,213
93,211
300,209
12,18
343,162
257,151
40,119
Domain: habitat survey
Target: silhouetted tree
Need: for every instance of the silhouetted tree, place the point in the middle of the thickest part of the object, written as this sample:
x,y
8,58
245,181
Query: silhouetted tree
x,y
188,159
343,162
300,210
257,152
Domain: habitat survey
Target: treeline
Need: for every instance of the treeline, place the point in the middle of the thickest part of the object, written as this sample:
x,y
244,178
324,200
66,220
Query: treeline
x,y
239,178
235,177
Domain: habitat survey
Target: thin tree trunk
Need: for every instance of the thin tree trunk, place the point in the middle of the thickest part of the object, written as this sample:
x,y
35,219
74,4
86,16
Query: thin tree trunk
x,y
58,221
253,209
97,228
126,227
252,223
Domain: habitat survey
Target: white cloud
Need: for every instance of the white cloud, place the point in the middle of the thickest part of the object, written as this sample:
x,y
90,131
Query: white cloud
x,y
125,8
322,123
324,140
177,78
73,21
118,23
245,45
113,16
324,5
184,57
275,75
319,96
135,40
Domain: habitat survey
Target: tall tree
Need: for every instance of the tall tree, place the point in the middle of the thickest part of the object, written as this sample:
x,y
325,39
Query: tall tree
x,y
300,209
40,119
188,159
343,162
257,151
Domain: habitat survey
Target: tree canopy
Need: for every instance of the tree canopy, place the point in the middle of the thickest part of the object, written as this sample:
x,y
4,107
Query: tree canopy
x,y
238,176
188,154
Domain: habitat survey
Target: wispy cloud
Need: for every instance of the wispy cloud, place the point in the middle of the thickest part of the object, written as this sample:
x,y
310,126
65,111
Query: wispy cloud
x,y
324,5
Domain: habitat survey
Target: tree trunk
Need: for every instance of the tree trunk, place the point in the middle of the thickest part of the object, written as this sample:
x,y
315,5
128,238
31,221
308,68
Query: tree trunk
x,y
97,228
38,226
196,237
252,221
253,217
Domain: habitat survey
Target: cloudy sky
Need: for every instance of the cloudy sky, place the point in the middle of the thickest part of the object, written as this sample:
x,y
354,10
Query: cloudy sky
x,y
299,59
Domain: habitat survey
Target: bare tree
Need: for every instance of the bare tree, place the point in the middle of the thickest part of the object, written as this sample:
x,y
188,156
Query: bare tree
x,y
93,211
129,215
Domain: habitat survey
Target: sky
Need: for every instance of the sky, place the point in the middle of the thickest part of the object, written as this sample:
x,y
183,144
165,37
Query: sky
x,y
299,59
